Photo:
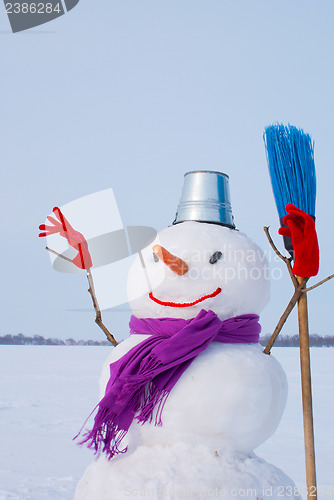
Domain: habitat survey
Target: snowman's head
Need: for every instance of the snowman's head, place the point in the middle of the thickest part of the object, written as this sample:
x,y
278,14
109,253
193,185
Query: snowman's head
x,y
192,266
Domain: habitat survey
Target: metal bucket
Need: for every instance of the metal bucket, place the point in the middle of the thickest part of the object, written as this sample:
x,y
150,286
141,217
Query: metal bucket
x,y
205,198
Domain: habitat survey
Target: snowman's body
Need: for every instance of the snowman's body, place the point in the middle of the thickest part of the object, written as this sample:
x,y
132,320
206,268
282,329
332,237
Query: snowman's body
x,y
229,400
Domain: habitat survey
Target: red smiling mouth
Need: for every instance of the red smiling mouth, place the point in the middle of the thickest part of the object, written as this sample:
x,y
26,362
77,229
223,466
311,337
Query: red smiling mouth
x,y
184,304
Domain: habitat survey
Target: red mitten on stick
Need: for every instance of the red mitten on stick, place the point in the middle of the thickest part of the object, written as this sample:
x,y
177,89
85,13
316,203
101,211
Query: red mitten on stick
x,y
301,229
77,240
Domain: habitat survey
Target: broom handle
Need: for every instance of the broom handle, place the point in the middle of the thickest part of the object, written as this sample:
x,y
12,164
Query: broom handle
x,y
305,367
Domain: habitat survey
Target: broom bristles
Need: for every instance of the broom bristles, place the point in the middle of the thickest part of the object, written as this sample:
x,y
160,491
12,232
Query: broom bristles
x,y
291,165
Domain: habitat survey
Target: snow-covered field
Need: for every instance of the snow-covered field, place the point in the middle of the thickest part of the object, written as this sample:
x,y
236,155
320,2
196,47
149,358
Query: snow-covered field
x,y
48,391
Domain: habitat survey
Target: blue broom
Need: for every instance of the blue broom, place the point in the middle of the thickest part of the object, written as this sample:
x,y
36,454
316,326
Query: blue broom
x,y
290,159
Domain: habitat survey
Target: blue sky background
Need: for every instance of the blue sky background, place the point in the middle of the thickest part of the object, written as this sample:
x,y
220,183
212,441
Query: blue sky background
x,y
131,95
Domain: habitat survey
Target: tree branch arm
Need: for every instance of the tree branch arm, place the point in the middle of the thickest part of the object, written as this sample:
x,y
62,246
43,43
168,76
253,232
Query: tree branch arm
x,y
319,283
286,260
91,290
294,299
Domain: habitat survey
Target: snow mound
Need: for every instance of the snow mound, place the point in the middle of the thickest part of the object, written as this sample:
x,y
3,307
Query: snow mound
x,y
183,471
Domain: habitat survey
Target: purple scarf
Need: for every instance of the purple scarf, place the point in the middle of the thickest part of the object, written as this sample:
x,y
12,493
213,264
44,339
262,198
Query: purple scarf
x,y
142,379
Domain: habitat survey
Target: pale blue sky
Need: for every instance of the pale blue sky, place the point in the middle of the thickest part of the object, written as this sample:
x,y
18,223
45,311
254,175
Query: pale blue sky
x,y
131,95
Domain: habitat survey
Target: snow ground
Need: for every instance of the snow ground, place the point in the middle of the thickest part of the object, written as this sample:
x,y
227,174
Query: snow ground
x,y
48,391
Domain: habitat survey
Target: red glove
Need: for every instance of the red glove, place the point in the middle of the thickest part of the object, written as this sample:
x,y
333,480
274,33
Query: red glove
x,y
83,260
301,229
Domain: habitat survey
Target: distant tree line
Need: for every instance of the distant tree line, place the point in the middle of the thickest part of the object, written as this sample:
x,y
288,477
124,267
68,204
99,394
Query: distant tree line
x,y
293,341
283,341
21,339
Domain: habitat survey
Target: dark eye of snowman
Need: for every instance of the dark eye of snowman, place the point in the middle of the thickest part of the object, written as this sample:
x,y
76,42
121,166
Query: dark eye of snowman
x,y
215,257
155,257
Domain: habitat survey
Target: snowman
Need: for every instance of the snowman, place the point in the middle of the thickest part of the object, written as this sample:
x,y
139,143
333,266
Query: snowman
x,y
190,394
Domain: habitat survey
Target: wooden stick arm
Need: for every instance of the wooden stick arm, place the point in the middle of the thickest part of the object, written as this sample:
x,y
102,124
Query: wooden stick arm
x,y
98,318
293,301
91,290
299,287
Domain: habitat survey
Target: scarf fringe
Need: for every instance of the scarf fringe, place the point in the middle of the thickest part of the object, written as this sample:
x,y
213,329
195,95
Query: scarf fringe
x,y
154,399
107,432
106,436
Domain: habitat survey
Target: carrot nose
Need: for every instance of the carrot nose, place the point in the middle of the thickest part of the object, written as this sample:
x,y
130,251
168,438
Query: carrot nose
x,y
177,265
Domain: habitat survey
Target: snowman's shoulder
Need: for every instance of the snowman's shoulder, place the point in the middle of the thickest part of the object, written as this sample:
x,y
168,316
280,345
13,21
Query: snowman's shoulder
x,y
240,353
124,347
252,348
117,353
